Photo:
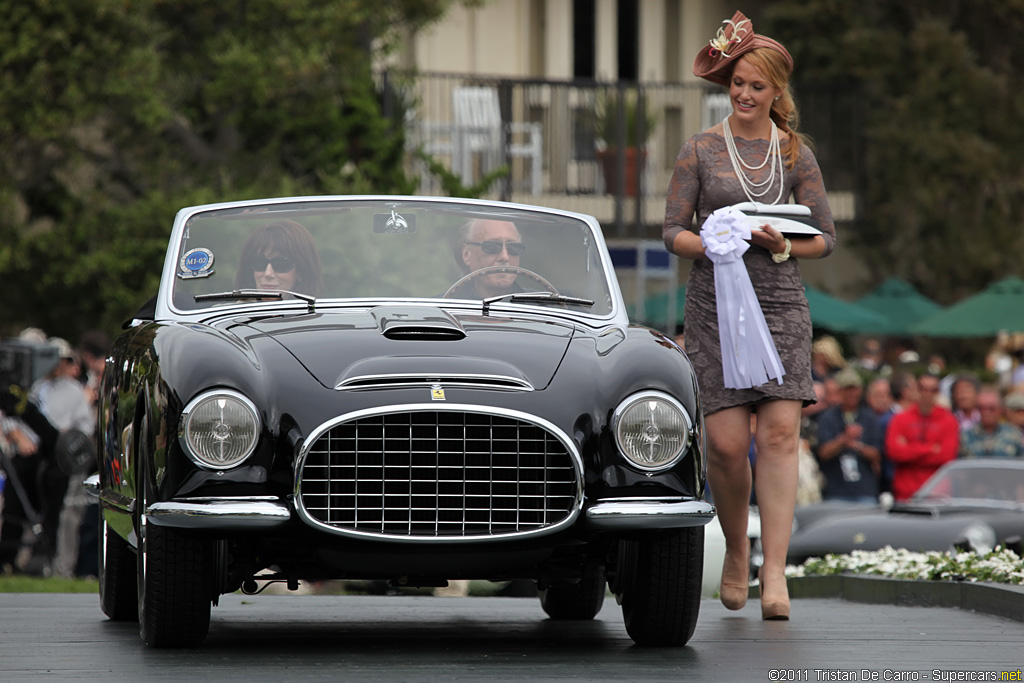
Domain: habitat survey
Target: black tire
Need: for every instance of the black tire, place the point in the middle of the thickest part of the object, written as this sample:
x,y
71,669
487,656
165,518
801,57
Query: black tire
x,y
661,595
119,597
575,601
175,583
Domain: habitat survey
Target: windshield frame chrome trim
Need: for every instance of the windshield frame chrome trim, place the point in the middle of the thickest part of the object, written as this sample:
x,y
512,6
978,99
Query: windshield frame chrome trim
x,y
166,310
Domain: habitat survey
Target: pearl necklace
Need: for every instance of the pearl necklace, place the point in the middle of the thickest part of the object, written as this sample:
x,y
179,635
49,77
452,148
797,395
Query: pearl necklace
x,y
755,191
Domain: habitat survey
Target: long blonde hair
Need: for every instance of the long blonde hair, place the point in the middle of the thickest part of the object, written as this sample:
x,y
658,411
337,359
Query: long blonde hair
x,y
774,68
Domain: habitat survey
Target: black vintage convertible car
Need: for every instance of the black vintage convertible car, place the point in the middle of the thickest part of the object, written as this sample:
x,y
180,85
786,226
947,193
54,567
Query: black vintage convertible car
x,y
972,505
398,389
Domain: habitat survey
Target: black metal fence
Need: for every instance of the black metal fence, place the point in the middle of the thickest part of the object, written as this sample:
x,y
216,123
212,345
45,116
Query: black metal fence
x,y
601,148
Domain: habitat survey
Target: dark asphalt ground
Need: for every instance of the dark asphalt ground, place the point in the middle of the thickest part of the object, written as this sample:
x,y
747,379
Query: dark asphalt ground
x,y
297,638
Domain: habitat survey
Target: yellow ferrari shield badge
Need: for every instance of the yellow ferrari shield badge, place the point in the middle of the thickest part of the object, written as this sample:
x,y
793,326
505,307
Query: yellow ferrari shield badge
x,y
436,393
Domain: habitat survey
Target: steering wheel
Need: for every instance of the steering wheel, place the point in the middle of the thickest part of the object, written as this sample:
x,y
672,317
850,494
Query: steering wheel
x,y
492,270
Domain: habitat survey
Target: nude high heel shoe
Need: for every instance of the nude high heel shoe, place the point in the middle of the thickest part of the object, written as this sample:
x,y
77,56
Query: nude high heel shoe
x,y
773,609
735,586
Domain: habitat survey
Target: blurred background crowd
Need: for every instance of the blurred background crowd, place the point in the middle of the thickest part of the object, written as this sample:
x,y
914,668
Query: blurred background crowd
x,y
49,391
887,418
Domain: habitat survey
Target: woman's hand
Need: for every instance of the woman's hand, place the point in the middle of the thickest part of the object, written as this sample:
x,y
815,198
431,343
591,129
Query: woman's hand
x,y
768,237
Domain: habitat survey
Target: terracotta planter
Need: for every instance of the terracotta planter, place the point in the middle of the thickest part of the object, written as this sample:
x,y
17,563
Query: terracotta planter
x,y
632,159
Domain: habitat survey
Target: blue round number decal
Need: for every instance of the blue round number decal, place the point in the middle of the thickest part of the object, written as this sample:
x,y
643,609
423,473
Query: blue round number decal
x,y
196,263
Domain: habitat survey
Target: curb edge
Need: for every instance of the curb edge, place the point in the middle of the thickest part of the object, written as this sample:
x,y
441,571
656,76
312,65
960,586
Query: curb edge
x,y
1000,600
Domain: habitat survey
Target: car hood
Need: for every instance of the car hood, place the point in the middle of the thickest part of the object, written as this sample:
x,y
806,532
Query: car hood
x,y
396,345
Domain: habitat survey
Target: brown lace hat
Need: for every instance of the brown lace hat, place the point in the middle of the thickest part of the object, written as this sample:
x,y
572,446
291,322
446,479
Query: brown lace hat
x,y
735,39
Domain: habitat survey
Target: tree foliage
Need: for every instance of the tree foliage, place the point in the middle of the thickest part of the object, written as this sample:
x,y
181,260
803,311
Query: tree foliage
x,y
113,115
943,100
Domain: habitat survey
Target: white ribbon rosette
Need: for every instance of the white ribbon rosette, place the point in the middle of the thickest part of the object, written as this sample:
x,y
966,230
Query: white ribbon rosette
x,y
749,356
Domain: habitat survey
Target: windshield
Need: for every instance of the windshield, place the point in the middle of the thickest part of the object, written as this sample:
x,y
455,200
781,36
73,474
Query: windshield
x,y
405,249
1004,484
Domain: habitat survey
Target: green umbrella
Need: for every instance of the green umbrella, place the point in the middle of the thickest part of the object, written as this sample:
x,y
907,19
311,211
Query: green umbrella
x,y
826,311
999,307
841,316
900,304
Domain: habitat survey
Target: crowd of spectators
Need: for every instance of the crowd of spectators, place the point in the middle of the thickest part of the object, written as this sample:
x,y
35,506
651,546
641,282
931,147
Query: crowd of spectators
x,y
48,394
884,423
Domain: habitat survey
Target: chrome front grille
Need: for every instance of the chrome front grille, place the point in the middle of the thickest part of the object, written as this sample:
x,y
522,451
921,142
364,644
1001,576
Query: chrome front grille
x,y
441,475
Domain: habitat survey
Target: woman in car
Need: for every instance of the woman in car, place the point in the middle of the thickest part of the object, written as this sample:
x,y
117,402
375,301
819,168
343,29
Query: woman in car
x,y
283,256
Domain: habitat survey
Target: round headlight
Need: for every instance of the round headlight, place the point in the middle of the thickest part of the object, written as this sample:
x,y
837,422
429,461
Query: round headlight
x,y
652,430
980,537
219,429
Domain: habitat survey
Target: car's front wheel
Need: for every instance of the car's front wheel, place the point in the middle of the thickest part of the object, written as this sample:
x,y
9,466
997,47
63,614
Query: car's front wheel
x,y
576,601
118,593
175,583
658,584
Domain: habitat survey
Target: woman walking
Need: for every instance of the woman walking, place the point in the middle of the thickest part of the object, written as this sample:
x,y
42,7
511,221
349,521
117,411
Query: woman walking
x,y
754,155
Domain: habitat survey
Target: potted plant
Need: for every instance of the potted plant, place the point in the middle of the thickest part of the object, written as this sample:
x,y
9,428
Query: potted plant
x,y
622,116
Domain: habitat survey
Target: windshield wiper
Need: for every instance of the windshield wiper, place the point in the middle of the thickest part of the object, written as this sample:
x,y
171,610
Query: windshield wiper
x,y
276,294
537,298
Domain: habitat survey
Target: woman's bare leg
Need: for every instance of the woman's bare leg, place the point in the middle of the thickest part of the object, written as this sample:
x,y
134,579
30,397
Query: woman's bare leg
x,y
777,439
728,435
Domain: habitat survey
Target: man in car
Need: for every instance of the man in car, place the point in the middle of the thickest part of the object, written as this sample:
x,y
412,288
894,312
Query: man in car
x,y
921,439
482,243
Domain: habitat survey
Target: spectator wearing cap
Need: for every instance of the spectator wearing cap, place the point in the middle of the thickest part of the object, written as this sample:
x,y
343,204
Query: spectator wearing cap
x,y
849,445
1013,409
991,437
60,395
921,439
62,399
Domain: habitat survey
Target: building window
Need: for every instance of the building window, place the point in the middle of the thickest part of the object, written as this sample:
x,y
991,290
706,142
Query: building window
x,y
584,39
628,39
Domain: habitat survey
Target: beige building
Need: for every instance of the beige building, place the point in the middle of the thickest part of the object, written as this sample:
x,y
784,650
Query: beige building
x,y
535,38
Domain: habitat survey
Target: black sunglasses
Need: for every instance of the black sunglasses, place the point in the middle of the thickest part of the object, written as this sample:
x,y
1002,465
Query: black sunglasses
x,y
495,246
281,264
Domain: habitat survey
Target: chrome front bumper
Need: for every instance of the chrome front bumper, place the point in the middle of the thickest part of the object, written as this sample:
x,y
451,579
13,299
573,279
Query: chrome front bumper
x,y
239,514
639,514
224,514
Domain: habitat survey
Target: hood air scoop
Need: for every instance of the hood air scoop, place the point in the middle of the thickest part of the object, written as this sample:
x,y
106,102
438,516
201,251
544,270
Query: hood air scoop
x,y
417,323
400,372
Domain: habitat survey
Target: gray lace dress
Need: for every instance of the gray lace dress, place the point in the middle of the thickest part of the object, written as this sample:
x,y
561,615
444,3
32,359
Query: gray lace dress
x,y
702,182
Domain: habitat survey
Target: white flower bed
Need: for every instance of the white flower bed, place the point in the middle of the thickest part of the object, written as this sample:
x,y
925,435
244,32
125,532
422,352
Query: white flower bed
x,y
999,566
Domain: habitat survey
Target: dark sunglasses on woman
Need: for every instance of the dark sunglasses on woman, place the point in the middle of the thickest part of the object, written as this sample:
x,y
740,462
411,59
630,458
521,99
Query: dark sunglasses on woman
x,y
495,246
281,264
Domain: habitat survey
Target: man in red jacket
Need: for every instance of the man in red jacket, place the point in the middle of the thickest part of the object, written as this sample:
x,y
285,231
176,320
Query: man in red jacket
x,y
921,439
